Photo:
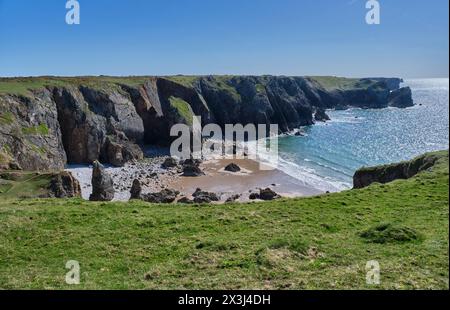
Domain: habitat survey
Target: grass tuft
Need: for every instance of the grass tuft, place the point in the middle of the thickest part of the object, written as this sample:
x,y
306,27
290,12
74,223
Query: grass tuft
x,y
387,232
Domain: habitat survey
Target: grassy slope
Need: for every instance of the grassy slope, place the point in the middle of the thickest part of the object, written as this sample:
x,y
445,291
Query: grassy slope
x,y
23,184
312,243
342,83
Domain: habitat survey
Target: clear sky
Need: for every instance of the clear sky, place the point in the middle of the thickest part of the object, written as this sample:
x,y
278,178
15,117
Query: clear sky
x,y
280,37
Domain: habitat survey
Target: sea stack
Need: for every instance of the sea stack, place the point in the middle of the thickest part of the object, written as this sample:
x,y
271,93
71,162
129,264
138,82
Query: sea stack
x,y
102,184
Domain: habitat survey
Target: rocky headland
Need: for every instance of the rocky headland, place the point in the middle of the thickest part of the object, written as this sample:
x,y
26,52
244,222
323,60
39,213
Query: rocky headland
x,y
397,171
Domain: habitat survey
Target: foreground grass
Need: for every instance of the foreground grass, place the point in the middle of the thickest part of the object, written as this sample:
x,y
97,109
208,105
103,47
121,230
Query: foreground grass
x,y
312,243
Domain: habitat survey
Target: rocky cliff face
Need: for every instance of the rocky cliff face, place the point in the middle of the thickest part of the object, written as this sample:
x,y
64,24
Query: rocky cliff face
x,y
30,133
47,122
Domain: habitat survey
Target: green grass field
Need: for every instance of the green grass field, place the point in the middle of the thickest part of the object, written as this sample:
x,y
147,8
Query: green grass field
x,y
321,242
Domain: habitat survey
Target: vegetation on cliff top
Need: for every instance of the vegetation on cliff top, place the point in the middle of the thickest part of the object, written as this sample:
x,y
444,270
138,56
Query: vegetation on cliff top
x,y
23,85
321,242
183,109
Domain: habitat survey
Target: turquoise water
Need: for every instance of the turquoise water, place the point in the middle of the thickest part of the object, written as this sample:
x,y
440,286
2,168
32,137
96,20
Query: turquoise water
x,y
330,153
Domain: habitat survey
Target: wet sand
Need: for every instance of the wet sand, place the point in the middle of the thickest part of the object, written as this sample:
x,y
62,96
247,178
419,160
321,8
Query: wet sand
x,y
248,180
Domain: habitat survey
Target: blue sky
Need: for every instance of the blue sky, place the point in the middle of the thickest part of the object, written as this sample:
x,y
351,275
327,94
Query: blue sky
x,y
164,37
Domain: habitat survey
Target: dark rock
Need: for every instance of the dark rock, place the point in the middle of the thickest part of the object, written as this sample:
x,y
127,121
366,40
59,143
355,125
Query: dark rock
x,y
204,197
401,98
191,161
102,184
254,196
321,115
268,194
170,162
232,168
14,166
64,185
185,200
192,169
164,196
233,198
136,189
118,154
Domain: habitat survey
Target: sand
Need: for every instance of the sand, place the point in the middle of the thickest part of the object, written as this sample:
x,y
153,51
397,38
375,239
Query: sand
x,y
248,180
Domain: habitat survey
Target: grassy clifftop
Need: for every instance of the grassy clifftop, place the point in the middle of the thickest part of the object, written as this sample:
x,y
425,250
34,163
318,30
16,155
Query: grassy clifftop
x,y
23,85
322,242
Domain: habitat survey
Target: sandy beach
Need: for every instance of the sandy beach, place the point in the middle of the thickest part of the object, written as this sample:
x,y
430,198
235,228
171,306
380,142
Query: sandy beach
x,y
154,178
248,180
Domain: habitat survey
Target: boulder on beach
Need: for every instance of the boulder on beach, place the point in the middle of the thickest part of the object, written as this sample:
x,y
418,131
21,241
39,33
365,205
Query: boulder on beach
x,y
136,189
264,194
164,196
204,197
191,168
253,196
102,184
170,162
232,168
268,194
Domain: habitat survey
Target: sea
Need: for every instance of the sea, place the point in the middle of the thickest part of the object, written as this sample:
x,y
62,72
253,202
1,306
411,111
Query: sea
x,y
327,157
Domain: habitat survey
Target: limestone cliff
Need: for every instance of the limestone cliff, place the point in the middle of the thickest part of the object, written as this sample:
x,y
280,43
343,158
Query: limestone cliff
x,y
46,122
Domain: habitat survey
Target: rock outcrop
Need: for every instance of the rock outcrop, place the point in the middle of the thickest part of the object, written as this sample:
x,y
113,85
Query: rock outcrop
x,y
264,194
80,120
204,197
102,184
321,115
30,133
388,173
232,168
268,194
191,168
64,185
170,162
136,190
164,196
401,98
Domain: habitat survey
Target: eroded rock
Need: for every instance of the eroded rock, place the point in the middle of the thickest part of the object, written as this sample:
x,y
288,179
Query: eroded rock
x,y
268,194
136,190
164,196
102,184
64,185
204,197
232,168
